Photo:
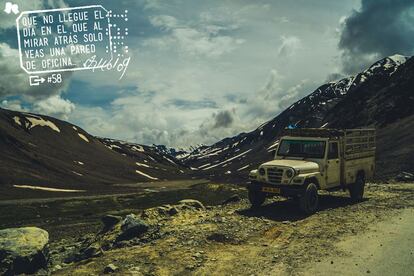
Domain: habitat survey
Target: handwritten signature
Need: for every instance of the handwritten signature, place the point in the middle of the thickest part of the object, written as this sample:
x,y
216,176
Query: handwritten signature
x,y
108,65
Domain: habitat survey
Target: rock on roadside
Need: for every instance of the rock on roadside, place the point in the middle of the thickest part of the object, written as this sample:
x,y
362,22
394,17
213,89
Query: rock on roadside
x,y
23,250
156,214
111,268
132,227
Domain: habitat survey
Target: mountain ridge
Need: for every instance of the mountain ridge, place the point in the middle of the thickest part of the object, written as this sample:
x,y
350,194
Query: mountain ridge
x,y
51,153
351,102
42,151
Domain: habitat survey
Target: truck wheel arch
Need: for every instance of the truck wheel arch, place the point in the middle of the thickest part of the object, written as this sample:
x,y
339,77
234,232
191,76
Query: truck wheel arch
x,y
313,180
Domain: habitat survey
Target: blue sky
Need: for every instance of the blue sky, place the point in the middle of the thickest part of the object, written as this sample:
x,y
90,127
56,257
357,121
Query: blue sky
x,y
200,70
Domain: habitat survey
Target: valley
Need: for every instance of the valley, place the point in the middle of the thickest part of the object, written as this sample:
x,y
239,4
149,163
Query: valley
x,y
223,238
191,209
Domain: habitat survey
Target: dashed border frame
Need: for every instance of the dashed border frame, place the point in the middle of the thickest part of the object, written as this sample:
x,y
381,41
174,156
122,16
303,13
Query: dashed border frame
x,y
55,10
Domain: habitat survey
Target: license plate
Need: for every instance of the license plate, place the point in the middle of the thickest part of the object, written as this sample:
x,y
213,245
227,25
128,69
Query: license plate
x,y
271,190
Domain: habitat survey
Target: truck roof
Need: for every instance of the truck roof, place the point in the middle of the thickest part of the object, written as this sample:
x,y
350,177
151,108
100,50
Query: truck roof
x,y
358,142
327,132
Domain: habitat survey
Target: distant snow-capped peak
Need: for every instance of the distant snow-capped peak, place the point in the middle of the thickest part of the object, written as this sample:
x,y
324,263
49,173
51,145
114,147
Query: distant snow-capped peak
x,y
399,59
388,63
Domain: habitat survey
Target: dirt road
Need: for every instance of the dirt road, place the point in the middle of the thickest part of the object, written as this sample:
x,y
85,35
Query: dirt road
x,y
386,248
342,238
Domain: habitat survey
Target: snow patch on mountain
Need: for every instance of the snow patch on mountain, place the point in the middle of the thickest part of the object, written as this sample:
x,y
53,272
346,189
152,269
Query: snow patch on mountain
x,y
228,160
17,120
142,165
38,121
146,175
78,174
48,189
138,148
398,59
389,64
83,137
273,145
243,168
205,165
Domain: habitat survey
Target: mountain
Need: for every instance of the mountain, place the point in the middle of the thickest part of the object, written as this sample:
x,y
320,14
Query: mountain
x,y
38,150
177,153
47,152
382,96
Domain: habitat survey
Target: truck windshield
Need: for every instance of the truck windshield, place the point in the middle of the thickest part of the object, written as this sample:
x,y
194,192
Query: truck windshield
x,y
302,148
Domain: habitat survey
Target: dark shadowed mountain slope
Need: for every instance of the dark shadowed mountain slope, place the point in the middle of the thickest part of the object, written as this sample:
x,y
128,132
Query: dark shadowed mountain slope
x,y
381,96
43,151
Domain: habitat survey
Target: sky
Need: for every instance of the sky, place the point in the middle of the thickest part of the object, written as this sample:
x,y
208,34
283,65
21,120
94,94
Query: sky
x,y
201,71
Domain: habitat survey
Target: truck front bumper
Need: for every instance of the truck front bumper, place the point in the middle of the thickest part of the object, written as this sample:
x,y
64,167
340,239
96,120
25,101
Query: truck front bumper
x,y
276,189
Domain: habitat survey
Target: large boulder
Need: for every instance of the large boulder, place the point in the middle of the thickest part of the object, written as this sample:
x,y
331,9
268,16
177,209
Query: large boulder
x,y
159,213
23,250
132,227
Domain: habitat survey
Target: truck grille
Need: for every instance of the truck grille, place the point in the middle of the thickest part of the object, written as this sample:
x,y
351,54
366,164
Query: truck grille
x,y
274,175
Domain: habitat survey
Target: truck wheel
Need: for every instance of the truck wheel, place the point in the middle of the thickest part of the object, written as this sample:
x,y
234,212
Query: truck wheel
x,y
356,190
309,201
256,198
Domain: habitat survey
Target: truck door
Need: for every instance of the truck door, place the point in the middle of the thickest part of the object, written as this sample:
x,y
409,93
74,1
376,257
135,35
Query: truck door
x,y
333,166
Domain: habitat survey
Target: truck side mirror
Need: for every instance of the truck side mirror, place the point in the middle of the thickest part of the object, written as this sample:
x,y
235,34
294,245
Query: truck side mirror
x,y
273,153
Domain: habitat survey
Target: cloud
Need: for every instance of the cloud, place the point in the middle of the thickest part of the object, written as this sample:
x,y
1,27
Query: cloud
x,y
164,22
155,118
223,123
54,106
290,44
131,119
13,105
15,82
96,120
380,28
199,39
223,119
203,74
193,105
334,77
272,99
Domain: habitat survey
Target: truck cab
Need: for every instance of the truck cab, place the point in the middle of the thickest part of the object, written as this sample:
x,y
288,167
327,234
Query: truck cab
x,y
308,160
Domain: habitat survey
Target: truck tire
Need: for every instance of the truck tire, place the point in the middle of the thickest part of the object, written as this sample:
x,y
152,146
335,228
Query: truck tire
x,y
309,201
356,190
256,198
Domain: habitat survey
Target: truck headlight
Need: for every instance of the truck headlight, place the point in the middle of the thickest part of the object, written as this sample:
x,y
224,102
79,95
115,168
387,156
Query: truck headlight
x,y
290,173
262,171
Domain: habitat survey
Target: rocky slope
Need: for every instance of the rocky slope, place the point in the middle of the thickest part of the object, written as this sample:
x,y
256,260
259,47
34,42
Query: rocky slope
x,y
187,237
381,97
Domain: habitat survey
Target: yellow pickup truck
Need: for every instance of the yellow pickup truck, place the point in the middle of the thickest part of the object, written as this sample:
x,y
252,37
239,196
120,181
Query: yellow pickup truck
x,y
308,160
